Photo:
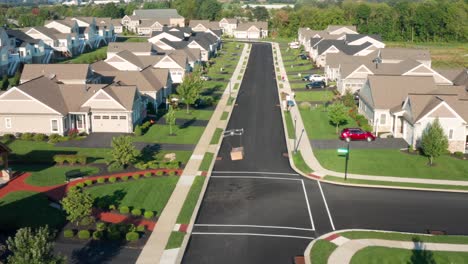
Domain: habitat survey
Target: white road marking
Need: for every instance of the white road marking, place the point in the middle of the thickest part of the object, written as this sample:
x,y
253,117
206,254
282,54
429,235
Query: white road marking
x,y
249,234
256,172
308,205
326,205
253,177
258,226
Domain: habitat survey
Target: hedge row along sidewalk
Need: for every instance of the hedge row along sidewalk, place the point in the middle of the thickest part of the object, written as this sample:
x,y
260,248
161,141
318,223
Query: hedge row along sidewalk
x,y
369,246
319,172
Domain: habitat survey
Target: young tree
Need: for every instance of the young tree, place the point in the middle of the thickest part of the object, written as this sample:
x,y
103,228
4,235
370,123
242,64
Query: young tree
x,y
189,89
77,204
33,247
171,118
123,152
348,99
434,142
338,114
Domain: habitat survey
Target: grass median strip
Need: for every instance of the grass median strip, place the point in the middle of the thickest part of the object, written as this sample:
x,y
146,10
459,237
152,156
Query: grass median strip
x,y
225,115
175,240
206,162
300,163
405,237
289,124
321,250
216,136
230,100
191,201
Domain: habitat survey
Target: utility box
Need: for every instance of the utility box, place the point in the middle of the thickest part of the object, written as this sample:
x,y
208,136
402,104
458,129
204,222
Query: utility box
x,y
237,153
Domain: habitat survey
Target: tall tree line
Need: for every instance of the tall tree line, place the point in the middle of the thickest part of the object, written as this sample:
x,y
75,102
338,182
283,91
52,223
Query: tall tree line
x,y
397,20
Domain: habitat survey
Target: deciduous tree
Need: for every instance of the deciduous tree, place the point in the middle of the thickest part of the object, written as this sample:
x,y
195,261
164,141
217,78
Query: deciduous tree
x,y
78,205
190,88
123,151
170,118
338,114
434,142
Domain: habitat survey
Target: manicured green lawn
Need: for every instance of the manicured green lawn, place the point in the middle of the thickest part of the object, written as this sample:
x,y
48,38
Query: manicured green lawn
x,y
383,255
383,162
230,100
194,114
181,155
320,252
191,201
289,124
300,163
216,136
160,134
21,209
314,96
43,151
297,85
405,237
149,194
206,162
225,115
175,240
317,125
89,57
47,176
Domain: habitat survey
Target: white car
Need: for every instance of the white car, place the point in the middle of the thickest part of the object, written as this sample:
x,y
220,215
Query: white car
x,y
317,78
294,45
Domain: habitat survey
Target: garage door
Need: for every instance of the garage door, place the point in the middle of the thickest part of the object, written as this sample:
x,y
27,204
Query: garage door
x,y
110,123
241,35
254,35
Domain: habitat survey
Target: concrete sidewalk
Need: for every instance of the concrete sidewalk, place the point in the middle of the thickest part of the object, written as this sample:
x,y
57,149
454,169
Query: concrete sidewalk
x,y
308,155
154,250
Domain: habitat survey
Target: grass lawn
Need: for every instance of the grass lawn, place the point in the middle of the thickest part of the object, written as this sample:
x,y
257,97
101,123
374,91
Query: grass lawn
x,y
405,237
191,201
289,124
216,136
300,163
317,125
194,114
225,115
160,134
207,158
134,39
443,54
148,194
21,209
314,96
321,250
230,100
181,155
47,176
44,152
382,162
384,255
90,57
175,240
298,86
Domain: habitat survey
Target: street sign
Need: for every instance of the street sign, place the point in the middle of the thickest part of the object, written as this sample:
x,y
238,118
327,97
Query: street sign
x,y
342,151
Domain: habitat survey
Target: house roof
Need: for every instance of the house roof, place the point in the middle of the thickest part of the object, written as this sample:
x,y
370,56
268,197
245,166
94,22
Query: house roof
x,y
150,22
21,37
175,44
66,22
130,46
230,20
381,69
60,71
246,25
354,37
334,60
214,25
146,80
332,28
156,13
49,32
130,57
178,34
404,53
457,76
325,44
102,66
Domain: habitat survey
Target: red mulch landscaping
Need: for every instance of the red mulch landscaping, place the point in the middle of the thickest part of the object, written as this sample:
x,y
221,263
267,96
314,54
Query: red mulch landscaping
x,y
115,218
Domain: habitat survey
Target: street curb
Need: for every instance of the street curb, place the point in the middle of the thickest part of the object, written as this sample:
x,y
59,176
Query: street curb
x,y
188,233
311,176
311,244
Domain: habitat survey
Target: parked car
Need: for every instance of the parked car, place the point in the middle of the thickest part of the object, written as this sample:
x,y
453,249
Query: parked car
x,y
317,77
306,78
313,85
205,78
349,134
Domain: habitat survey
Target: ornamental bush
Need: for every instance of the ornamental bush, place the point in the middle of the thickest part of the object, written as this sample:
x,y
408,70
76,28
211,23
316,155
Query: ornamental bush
x,y
172,173
458,154
101,180
27,136
141,228
124,178
148,214
136,176
88,182
132,236
84,234
68,233
39,137
101,226
8,137
54,138
112,179
113,235
136,212
147,174
124,209
97,235
88,220
160,173
80,185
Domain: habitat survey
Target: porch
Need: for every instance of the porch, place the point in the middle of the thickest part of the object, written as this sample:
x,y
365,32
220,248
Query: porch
x,y
79,121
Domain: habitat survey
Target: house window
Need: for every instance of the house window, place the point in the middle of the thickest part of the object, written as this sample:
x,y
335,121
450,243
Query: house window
x,y
383,119
450,134
54,125
8,122
105,117
97,117
114,117
122,117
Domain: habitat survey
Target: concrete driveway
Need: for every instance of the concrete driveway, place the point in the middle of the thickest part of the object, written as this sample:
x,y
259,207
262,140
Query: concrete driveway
x,y
379,143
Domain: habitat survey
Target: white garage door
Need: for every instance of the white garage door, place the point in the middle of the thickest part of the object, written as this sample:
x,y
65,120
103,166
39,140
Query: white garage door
x,y
241,35
254,35
110,123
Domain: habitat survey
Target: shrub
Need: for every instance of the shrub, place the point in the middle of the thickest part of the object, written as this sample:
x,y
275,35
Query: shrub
x,y
172,173
361,120
39,137
101,180
101,226
141,165
124,209
159,173
59,159
367,127
138,131
141,228
305,106
132,236
73,188
88,220
8,137
112,179
54,138
136,176
27,136
145,126
72,133
113,235
80,185
153,165
68,233
97,235
71,159
81,159
124,178
148,214
88,182
84,234
112,207
147,174
114,166
458,154
136,212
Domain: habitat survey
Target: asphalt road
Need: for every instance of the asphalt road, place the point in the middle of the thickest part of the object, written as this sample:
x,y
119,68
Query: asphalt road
x,y
258,210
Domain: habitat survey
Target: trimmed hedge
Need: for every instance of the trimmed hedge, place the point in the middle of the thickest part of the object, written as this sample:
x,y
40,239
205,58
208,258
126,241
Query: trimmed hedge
x,y
70,159
80,184
124,209
147,174
136,212
124,178
97,235
84,234
112,179
132,236
172,173
101,180
159,173
136,176
68,233
101,226
88,182
148,214
141,228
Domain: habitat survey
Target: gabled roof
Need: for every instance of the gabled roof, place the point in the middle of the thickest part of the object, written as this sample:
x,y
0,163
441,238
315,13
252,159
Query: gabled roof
x,y
332,28
102,66
21,37
206,23
62,72
48,32
325,44
457,76
175,44
65,22
130,46
151,22
230,20
354,37
130,57
178,34
156,13
246,25
381,69
404,53
334,60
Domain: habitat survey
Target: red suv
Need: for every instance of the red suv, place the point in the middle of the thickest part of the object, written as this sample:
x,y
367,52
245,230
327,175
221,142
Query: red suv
x,y
349,134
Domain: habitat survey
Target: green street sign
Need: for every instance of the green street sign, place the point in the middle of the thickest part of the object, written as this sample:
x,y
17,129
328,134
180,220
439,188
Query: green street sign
x,y
342,151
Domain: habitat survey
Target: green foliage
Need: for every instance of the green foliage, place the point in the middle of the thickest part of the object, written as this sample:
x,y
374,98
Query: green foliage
x,y
27,136
147,174
77,204
170,118
136,212
434,142
260,13
97,235
123,151
136,176
124,209
39,137
209,9
337,114
68,233
101,226
159,173
138,131
458,154
80,185
112,179
190,88
124,178
172,173
88,220
88,182
54,138
140,228
32,246
348,99
101,180
148,214
114,167
70,159
83,234
132,236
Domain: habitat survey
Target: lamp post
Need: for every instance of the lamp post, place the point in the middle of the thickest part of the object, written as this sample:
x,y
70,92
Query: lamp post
x,y
298,142
295,134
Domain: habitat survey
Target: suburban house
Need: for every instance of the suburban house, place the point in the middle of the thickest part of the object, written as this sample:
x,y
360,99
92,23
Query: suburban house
x,y
324,47
63,73
86,36
405,105
203,25
228,25
137,48
45,105
308,37
144,21
63,44
251,30
168,34
104,26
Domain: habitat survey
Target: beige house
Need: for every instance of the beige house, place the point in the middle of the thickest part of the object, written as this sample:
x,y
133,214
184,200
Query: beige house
x,y
63,44
228,25
137,48
45,105
203,25
144,21
251,30
64,73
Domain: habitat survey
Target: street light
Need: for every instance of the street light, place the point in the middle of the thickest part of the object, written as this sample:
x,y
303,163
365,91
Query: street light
x,y
295,134
298,142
